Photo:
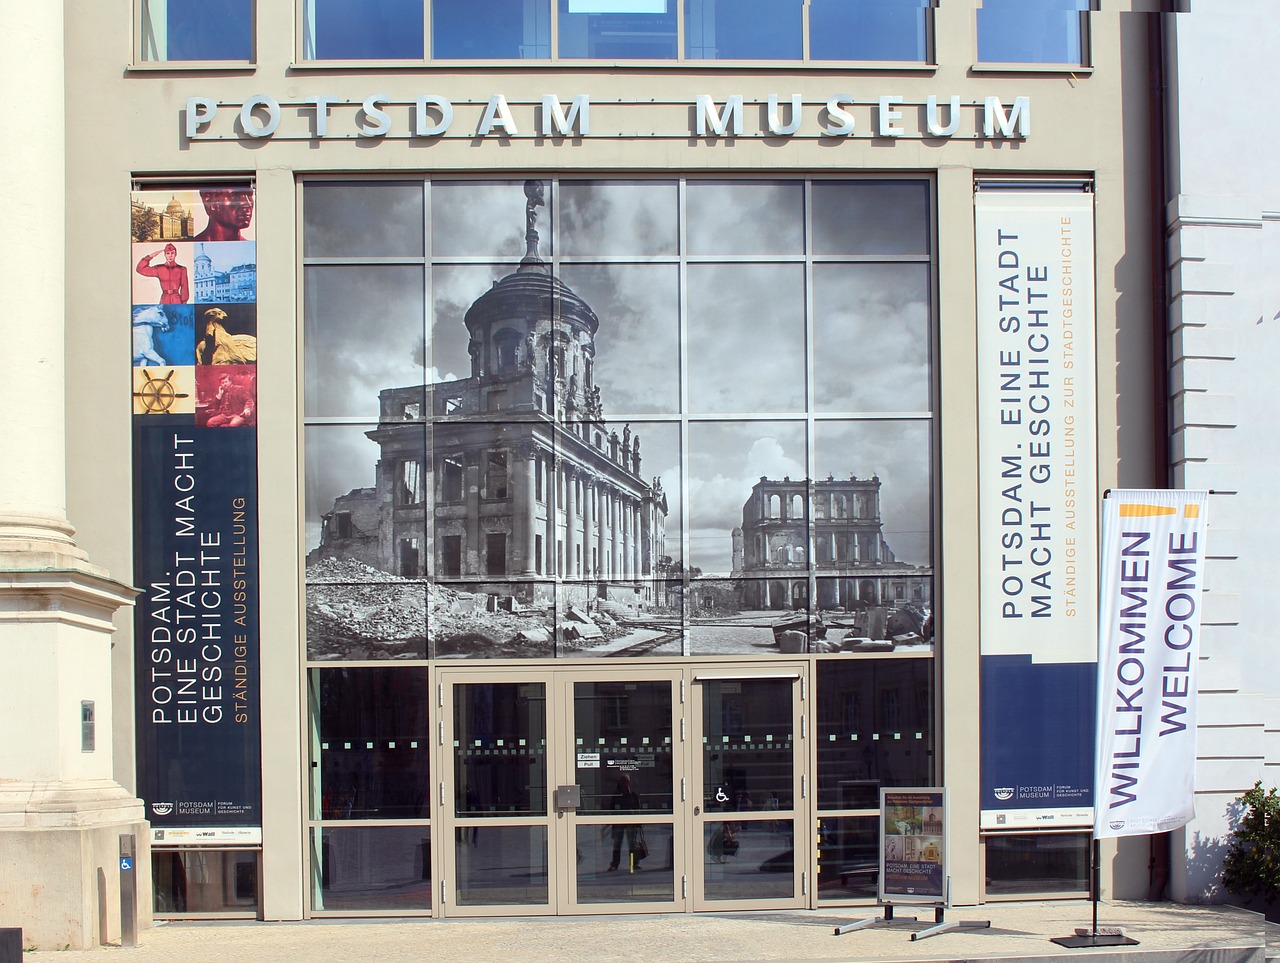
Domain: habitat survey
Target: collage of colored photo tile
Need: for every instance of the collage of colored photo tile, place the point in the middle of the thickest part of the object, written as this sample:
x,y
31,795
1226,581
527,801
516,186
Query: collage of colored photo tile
x,y
195,293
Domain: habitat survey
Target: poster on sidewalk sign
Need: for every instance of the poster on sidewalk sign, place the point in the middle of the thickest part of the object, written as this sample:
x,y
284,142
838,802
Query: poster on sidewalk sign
x,y
913,846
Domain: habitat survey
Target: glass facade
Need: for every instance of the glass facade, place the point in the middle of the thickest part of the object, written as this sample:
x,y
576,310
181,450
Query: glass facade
x,y
1033,31
196,30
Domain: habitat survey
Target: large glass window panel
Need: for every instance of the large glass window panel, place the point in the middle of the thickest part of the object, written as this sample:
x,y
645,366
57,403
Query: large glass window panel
x,y
366,868
369,30
491,29
372,742
364,618
626,863
362,219
744,217
747,616
501,865
617,29
872,337
743,29
500,749
731,464
1032,31
874,728
871,217
848,856
363,331
746,339
637,218
497,620
889,517
1039,863
637,350
623,745
868,30
204,881
194,30
487,219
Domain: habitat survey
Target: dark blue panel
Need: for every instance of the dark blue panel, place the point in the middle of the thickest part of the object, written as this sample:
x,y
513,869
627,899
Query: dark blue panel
x,y
1037,731
867,30
196,623
743,30
490,30
369,30
618,36
1030,31
210,30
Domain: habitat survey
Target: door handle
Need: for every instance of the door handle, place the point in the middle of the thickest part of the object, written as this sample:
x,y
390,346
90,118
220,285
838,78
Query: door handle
x,y
697,810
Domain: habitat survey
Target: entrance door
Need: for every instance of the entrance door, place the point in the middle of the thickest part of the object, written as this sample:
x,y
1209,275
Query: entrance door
x,y
564,791
750,812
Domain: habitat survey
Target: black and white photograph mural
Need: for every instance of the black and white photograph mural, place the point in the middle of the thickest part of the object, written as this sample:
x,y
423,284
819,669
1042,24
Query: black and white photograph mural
x,y
590,418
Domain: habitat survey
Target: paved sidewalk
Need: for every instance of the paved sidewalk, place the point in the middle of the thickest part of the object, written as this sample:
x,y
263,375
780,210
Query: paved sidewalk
x,y
1167,933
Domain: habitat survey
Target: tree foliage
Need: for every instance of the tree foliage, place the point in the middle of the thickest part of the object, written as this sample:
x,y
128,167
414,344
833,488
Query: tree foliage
x,y
1252,864
145,223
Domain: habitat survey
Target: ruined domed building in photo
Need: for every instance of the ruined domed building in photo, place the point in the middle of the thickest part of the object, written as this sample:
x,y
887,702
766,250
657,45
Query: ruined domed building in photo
x,y
524,483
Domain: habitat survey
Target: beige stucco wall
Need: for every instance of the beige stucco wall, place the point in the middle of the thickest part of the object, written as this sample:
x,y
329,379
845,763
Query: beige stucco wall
x,y
123,123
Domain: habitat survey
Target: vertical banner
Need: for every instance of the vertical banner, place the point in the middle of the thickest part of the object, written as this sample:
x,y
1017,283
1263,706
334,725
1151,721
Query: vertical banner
x,y
1037,447
913,846
195,514
1153,555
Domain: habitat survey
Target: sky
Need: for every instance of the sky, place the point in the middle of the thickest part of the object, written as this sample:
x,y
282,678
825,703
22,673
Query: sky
x,y
742,324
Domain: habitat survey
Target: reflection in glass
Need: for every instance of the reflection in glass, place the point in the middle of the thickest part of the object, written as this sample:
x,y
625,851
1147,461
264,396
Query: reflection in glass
x,y
871,336
745,217
370,749
371,868
369,30
748,860
626,863
746,341
501,865
848,856
868,29
361,219
622,737
363,331
743,30
491,30
747,757
1031,31
499,748
204,881
177,30
1039,863
874,728
871,217
618,29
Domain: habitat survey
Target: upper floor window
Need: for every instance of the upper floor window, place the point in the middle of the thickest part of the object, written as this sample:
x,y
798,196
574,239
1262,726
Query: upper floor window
x,y
1032,31
720,30
196,30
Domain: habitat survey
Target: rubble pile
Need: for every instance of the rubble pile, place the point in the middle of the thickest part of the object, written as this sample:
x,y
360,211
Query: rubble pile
x,y
356,612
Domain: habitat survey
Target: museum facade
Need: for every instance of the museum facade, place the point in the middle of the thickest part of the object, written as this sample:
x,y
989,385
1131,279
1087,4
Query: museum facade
x,y
574,455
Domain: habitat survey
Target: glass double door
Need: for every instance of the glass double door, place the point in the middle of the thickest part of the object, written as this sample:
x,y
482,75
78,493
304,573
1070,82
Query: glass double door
x,y
594,791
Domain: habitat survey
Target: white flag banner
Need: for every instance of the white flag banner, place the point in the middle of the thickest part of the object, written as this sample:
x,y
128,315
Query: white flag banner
x,y
1153,554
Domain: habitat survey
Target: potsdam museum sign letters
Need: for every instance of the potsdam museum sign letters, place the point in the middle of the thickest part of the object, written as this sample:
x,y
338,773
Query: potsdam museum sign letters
x,y
842,115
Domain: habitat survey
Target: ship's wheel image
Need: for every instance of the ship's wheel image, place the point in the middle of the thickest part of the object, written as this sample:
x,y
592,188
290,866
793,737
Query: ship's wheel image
x,y
157,394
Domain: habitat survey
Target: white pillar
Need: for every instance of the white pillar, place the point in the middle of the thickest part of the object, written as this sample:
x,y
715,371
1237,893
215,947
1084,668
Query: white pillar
x,y
61,811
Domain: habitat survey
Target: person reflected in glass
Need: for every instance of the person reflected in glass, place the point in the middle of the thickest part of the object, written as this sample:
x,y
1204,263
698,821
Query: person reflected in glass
x,y
625,799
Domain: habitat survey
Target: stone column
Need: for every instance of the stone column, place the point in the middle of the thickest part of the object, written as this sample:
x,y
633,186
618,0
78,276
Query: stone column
x,y
570,521
602,516
61,810
524,510
636,570
553,506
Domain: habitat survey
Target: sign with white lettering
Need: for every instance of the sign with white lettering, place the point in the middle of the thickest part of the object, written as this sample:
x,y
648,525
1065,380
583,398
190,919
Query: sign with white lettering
x,y
195,489
834,117
1153,555
1036,504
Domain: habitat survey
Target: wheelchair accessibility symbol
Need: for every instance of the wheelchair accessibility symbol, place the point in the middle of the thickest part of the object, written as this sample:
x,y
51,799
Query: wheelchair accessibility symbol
x,y
721,795
126,863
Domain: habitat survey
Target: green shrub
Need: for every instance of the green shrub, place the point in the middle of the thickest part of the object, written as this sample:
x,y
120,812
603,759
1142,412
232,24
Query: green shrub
x,y
1252,865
